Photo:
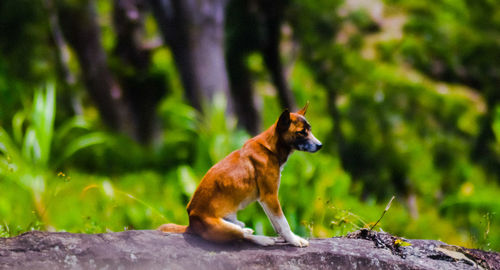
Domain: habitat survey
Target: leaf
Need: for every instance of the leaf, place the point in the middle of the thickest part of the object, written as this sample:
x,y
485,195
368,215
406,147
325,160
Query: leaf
x,y
45,101
77,122
401,243
10,156
188,179
17,126
31,148
38,137
82,142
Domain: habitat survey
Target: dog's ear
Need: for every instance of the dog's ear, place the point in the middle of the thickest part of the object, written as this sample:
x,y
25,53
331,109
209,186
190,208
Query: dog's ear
x,y
303,110
284,121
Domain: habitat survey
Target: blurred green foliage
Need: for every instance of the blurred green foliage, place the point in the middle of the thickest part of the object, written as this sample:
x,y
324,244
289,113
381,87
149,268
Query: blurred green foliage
x,y
408,111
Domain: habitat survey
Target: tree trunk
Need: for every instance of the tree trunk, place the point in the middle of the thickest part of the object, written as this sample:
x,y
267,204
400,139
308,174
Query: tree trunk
x,y
79,25
194,30
242,91
273,18
68,78
254,26
143,89
242,38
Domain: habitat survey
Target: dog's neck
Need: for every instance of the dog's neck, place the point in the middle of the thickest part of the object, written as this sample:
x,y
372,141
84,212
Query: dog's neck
x,y
272,142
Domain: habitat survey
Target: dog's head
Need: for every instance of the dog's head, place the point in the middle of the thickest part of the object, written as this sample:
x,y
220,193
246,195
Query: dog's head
x,y
295,131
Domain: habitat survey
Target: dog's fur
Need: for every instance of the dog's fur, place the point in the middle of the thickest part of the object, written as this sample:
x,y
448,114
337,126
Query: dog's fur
x,y
250,174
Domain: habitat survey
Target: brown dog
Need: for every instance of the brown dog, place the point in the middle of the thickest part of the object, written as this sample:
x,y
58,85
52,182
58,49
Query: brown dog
x,y
250,174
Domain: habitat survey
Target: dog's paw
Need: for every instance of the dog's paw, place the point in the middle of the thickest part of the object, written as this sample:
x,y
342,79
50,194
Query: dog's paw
x,y
239,223
297,241
260,240
247,231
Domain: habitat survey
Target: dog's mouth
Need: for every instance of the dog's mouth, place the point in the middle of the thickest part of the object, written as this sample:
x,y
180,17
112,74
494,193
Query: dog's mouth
x,y
307,145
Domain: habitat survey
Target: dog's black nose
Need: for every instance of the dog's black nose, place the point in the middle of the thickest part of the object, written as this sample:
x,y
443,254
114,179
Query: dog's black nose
x,y
319,146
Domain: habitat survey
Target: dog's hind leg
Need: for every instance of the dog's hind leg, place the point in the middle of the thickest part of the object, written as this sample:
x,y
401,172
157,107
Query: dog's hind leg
x,y
221,231
232,218
218,230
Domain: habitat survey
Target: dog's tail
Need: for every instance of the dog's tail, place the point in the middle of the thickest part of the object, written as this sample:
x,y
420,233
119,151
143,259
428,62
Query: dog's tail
x,y
173,228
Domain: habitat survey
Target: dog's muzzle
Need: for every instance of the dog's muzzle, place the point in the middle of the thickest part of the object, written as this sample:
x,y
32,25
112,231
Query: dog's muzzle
x,y
311,144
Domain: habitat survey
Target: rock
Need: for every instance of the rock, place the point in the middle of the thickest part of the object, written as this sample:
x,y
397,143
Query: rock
x,y
156,250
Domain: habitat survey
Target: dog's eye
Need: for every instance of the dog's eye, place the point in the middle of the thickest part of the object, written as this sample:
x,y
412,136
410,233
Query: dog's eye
x,y
302,132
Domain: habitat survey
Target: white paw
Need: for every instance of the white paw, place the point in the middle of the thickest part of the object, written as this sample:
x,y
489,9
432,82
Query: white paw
x,y
239,223
297,241
247,231
261,240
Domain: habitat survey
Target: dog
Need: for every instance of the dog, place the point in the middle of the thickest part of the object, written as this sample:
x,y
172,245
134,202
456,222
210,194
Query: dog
x,y
249,174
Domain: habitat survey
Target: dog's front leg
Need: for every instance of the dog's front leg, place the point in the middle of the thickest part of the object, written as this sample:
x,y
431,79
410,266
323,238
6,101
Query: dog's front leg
x,y
272,207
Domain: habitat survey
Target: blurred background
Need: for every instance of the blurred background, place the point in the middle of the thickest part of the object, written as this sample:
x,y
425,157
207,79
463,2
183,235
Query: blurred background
x,y
112,111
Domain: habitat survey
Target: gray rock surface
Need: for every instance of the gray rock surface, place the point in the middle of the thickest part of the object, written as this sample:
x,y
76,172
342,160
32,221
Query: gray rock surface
x,y
156,250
